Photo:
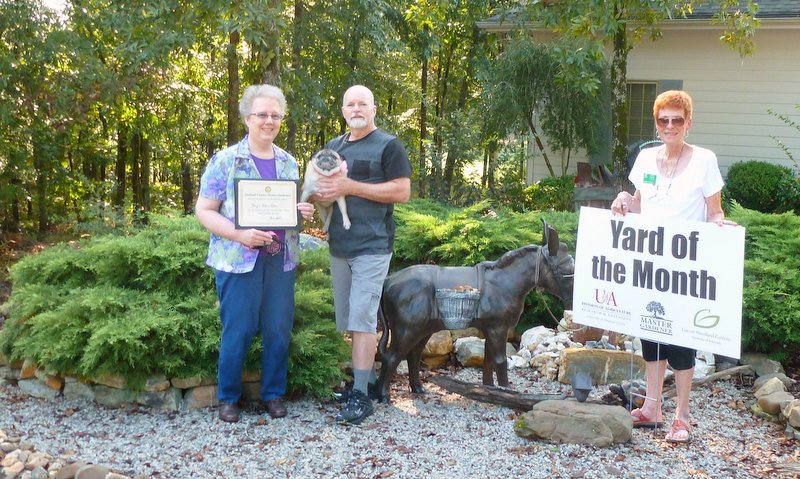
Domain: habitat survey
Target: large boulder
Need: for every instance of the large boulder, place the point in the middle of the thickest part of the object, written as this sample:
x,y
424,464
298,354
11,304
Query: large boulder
x,y
761,380
761,364
576,423
775,403
439,344
470,351
770,386
603,365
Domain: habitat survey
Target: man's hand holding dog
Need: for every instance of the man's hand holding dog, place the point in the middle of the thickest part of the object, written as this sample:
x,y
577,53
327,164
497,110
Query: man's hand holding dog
x,y
330,187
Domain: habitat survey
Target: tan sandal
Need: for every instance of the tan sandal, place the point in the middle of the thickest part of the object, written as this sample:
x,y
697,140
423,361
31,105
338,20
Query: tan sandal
x,y
676,432
640,420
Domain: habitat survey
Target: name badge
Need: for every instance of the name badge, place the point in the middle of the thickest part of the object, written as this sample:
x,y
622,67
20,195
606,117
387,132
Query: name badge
x,y
650,178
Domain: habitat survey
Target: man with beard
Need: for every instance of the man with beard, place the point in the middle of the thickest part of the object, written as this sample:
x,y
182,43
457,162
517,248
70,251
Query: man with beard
x,y
378,175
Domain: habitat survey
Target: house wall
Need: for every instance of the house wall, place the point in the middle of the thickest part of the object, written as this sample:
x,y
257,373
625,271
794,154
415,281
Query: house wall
x,y
731,94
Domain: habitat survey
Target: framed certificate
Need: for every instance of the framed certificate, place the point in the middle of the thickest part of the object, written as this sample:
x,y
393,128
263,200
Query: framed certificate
x,y
266,204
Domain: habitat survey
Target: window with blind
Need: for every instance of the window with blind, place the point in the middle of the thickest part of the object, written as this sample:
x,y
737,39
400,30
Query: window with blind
x,y
641,96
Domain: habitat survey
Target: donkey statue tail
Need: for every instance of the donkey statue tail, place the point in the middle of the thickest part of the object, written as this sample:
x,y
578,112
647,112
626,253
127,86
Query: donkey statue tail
x,y
384,324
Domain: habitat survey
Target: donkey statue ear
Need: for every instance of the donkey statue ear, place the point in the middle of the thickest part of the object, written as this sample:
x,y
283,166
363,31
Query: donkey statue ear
x,y
550,238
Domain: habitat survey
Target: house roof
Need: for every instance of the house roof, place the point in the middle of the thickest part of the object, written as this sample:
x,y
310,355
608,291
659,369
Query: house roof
x,y
766,9
769,11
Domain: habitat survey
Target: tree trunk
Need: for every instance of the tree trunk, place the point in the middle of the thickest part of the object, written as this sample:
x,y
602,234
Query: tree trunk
x,y
423,128
493,159
485,169
442,110
136,180
539,145
493,394
187,187
271,69
297,50
619,114
233,88
475,44
145,173
491,154
353,49
44,155
121,165
11,222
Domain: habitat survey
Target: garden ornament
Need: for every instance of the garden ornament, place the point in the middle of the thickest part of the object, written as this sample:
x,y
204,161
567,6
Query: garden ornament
x,y
581,385
410,315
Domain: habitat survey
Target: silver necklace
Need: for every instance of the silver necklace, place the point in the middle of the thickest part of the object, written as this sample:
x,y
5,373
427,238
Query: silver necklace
x,y
674,168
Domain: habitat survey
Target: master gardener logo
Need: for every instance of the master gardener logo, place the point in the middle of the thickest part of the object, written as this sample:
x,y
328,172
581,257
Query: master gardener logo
x,y
655,321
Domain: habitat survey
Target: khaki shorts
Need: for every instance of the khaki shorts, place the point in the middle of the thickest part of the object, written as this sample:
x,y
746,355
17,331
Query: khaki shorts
x,y
357,286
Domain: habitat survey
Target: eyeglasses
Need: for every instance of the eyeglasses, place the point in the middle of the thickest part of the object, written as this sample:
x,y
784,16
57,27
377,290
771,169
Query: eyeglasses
x,y
263,117
362,104
664,121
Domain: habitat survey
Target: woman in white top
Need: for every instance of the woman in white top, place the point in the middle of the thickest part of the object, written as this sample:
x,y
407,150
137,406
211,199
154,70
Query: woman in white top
x,y
674,181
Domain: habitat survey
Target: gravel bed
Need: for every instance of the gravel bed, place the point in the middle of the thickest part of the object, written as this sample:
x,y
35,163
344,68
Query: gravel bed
x,y
440,435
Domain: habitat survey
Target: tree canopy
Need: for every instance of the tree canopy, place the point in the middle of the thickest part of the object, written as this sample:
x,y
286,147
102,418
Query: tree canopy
x,y
117,106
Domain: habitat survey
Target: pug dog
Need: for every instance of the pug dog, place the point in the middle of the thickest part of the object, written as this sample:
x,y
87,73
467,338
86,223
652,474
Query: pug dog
x,y
325,163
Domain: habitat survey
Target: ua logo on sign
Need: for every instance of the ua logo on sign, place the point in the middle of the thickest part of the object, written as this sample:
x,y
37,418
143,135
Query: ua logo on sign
x,y
604,297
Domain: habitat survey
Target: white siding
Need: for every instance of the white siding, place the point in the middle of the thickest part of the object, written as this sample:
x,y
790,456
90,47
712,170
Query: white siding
x,y
731,94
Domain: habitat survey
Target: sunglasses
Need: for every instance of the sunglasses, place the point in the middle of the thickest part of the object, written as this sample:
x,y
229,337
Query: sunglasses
x,y
664,121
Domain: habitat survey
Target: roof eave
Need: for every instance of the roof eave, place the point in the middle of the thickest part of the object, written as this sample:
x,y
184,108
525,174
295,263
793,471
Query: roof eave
x,y
676,24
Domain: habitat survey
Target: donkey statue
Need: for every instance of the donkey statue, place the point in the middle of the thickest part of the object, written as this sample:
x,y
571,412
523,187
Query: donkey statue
x,y
409,312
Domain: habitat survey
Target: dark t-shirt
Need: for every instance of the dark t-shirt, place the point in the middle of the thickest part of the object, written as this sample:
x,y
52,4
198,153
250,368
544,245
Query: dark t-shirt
x,y
377,158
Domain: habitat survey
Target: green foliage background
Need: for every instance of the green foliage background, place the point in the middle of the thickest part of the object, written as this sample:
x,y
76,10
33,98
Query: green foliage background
x,y
771,302
145,303
763,186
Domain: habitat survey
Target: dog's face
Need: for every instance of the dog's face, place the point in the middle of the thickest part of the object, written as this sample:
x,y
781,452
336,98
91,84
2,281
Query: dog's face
x,y
326,162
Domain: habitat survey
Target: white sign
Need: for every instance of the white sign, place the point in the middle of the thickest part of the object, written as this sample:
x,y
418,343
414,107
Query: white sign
x,y
676,282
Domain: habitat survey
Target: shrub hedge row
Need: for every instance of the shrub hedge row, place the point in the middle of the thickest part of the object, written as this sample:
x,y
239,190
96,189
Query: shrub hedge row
x,y
145,304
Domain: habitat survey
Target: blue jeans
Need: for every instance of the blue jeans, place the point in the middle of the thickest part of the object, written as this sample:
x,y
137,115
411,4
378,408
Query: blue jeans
x,y
261,300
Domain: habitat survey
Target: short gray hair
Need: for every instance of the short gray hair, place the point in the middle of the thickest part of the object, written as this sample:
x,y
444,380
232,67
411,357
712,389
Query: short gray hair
x,y
256,91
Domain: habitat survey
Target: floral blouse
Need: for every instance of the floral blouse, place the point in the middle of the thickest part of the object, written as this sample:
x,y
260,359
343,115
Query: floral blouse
x,y
217,183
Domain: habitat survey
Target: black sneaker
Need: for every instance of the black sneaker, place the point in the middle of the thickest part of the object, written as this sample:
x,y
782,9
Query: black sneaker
x,y
344,395
358,407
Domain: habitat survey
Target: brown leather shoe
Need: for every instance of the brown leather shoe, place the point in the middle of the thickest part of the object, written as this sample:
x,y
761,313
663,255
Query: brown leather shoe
x,y
276,408
229,412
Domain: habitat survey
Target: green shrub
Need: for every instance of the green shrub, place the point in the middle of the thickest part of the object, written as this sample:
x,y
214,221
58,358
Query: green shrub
x,y
764,187
145,304
771,296
550,194
430,232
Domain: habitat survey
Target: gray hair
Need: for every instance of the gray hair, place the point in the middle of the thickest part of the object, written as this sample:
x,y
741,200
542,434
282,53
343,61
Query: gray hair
x,y
256,91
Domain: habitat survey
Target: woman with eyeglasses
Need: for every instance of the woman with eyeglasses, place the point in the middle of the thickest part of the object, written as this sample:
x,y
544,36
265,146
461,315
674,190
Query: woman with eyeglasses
x,y
674,181
254,269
